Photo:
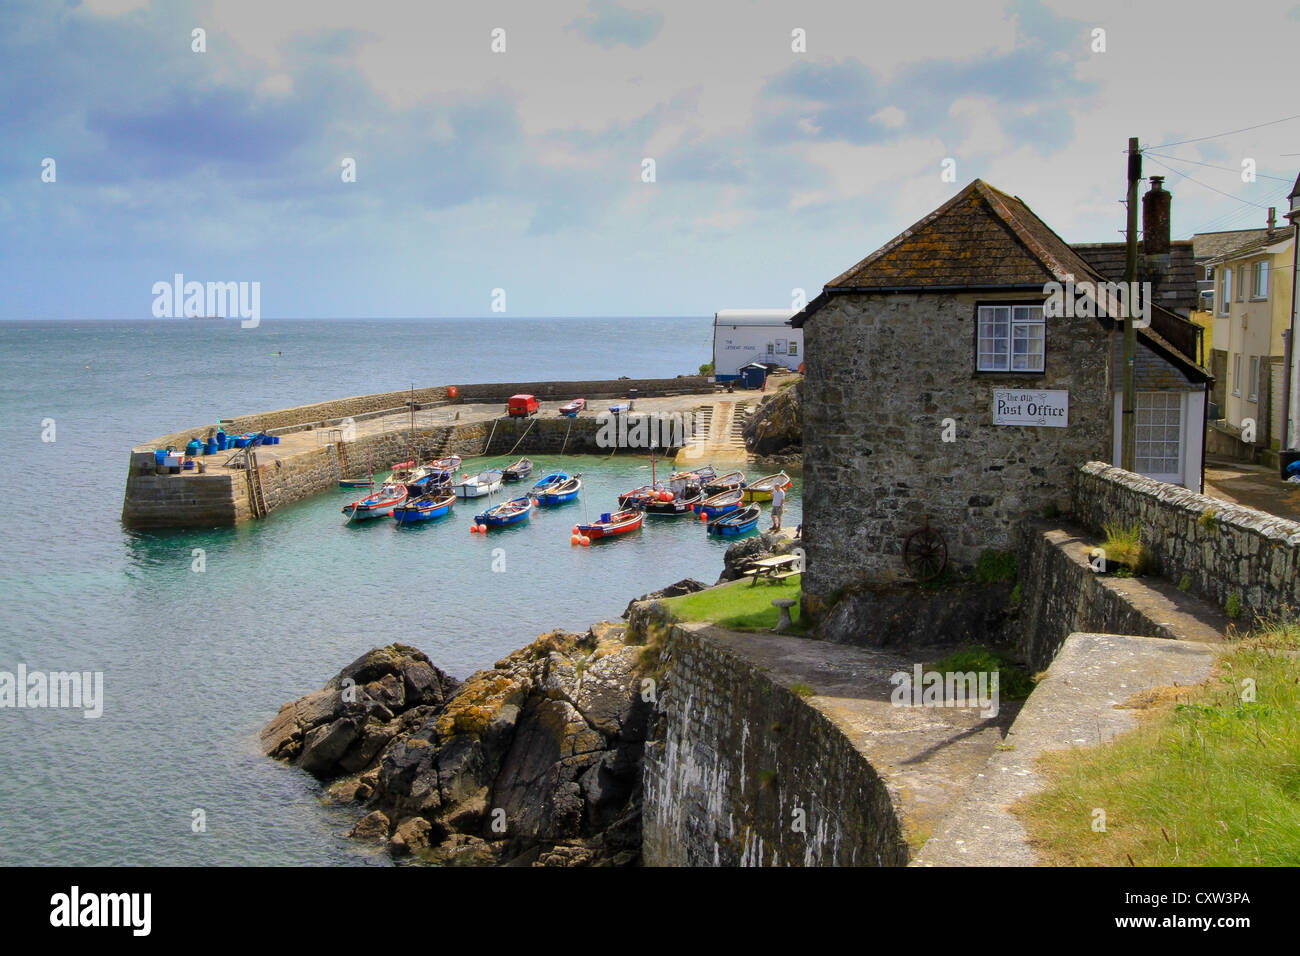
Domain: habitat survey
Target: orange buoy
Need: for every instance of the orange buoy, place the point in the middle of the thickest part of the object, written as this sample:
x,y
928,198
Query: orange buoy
x,y
703,516
473,529
584,541
574,539
452,392
482,529
575,529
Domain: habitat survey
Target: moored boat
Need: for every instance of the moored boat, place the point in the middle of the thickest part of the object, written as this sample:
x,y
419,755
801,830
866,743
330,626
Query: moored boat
x,y
673,505
481,485
729,482
519,471
721,503
514,511
571,409
356,482
559,493
734,523
448,464
700,476
761,490
424,508
380,504
637,497
612,525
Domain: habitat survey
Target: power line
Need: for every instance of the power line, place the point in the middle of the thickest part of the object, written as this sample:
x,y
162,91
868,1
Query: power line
x,y
1231,132
1206,186
1227,169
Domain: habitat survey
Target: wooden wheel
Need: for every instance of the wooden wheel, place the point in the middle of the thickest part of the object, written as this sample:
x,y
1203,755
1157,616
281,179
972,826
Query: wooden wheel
x,y
925,553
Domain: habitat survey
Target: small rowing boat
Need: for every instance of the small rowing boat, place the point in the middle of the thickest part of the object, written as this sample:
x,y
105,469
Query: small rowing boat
x,y
519,471
448,465
729,482
558,494
356,482
480,486
424,508
554,478
700,476
377,505
571,409
738,522
721,503
514,511
637,497
762,489
612,525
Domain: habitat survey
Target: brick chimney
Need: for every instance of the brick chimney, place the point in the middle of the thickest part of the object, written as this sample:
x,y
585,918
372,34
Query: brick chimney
x,y
1155,218
1272,219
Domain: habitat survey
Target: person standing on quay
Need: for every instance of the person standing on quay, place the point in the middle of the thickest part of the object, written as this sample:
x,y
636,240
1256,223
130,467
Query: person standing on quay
x,y
778,504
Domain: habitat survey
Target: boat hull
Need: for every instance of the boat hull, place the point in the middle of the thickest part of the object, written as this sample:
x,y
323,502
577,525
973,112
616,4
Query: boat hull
x,y
612,526
741,521
477,489
413,512
503,515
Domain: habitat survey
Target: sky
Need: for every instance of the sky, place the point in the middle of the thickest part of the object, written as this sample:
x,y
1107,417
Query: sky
x,y
789,140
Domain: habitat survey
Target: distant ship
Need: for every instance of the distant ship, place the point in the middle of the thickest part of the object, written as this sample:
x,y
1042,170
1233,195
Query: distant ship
x,y
206,318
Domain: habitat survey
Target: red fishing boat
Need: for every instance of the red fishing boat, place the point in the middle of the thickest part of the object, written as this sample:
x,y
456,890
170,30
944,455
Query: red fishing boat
x,y
610,525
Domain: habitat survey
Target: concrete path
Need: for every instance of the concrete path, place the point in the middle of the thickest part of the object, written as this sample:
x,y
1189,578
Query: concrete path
x,y
1253,486
1080,703
718,436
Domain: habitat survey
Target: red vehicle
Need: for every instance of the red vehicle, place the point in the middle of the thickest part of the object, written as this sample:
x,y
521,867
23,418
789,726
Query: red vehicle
x,y
521,406
572,408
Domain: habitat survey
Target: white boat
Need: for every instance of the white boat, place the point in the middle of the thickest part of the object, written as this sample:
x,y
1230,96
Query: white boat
x,y
481,485
379,504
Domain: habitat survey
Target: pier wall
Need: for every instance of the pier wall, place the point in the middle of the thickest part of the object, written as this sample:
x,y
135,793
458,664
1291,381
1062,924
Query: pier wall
x,y
737,754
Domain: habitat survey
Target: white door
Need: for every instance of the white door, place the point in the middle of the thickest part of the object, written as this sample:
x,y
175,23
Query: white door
x,y
1159,435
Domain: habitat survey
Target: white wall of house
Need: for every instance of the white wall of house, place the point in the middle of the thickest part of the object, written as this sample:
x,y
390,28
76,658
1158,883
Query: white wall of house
x,y
741,336
1170,435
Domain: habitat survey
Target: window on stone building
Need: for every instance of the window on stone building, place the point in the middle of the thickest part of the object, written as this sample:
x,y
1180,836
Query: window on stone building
x,y
1158,434
1260,288
1012,338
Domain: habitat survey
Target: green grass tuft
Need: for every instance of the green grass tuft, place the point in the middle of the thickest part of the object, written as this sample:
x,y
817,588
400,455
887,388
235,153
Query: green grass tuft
x,y
994,567
1014,683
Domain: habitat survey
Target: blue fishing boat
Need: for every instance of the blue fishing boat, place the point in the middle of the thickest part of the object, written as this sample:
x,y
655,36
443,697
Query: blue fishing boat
x,y
424,508
721,504
380,504
735,523
514,511
558,494
554,478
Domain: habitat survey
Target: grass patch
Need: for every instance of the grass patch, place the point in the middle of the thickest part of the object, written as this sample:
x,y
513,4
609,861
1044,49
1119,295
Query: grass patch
x,y
803,690
740,605
994,567
1014,683
1211,777
1124,545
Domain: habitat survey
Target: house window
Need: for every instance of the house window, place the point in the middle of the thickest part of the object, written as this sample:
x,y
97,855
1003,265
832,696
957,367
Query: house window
x,y
1209,273
1260,288
1241,282
1012,338
1253,394
794,347
1225,289
1236,374
1158,434
771,348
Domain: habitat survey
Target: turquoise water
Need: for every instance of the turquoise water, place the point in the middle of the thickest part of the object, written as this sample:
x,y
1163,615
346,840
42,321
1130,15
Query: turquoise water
x,y
196,663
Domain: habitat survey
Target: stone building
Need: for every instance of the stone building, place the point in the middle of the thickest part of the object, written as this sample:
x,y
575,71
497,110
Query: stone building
x,y
937,387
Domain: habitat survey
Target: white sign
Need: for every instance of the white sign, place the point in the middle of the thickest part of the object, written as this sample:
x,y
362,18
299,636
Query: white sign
x,y
1018,407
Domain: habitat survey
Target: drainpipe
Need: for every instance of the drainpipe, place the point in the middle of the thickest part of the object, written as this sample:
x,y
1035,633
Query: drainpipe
x,y
1288,351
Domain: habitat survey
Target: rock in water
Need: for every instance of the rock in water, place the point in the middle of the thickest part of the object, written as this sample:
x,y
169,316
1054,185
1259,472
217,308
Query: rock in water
x,y
536,761
765,545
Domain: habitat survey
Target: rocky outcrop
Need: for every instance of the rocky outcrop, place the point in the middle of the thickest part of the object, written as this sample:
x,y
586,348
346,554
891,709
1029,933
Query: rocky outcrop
x,y
536,761
684,586
776,428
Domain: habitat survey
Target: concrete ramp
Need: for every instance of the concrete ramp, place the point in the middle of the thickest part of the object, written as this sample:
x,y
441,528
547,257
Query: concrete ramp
x,y
1080,703
717,434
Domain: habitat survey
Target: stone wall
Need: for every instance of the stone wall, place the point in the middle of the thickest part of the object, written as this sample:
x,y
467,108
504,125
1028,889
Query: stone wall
x,y
331,410
883,373
1062,594
601,390
1226,551
737,753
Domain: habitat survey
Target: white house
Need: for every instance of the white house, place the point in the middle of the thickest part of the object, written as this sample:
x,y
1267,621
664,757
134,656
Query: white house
x,y
741,336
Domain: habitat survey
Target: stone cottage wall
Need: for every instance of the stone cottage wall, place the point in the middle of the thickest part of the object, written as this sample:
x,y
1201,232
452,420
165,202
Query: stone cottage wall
x,y
883,373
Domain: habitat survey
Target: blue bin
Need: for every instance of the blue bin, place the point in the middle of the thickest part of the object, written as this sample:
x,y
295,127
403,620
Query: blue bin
x,y
211,447
241,442
159,457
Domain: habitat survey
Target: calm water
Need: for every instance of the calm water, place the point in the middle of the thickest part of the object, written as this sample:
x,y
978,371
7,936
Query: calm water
x,y
196,663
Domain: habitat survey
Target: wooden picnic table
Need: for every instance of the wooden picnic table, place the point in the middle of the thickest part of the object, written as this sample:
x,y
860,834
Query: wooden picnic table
x,y
772,569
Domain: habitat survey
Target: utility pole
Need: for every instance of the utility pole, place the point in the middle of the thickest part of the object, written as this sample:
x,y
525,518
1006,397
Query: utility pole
x,y
1128,438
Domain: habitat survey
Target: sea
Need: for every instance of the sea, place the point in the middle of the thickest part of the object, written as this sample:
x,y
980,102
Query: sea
x,y
201,635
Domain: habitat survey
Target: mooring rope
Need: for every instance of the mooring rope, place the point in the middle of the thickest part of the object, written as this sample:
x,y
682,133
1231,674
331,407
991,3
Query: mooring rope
x,y
566,437
521,437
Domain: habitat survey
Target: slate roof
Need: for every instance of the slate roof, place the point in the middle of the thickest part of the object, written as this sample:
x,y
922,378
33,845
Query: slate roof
x,y
983,239
1254,246
980,238
1211,245
1174,287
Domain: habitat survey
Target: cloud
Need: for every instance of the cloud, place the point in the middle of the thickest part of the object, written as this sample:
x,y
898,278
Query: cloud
x,y
608,24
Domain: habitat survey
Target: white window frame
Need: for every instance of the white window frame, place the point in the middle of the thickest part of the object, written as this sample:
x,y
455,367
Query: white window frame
x,y
1259,279
1253,394
1225,290
1168,401
1241,283
794,347
995,351
1236,375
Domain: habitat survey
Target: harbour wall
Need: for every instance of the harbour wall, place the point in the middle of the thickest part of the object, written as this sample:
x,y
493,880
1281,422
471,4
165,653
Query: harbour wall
x,y
1238,558
737,754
